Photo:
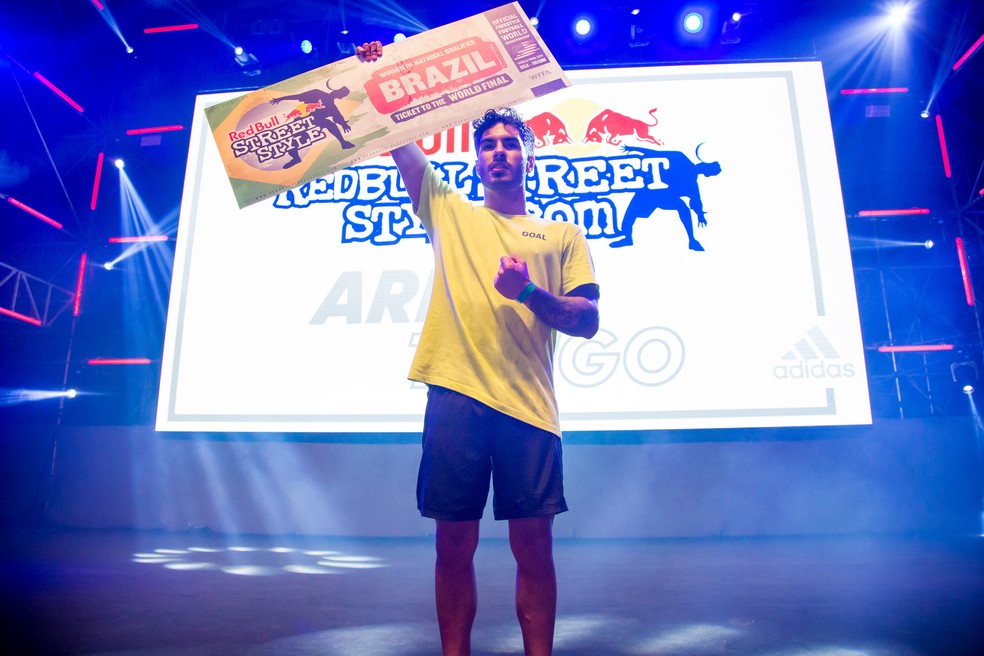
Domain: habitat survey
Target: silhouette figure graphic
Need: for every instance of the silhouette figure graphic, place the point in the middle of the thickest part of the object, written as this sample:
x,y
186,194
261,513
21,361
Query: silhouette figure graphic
x,y
324,114
681,180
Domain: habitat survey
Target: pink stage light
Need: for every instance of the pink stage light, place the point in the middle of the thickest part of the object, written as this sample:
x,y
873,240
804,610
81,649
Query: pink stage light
x,y
95,183
137,240
78,286
33,212
970,51
915,349
58,92
170,28
965,272
946,156
98,5
115,361
162,128
854,92
22,317
908,212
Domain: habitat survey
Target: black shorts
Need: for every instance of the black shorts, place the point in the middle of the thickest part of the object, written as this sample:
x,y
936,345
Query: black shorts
x,y
467,443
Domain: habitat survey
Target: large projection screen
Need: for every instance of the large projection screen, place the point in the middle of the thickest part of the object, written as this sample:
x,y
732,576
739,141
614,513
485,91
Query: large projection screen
x,y
301,313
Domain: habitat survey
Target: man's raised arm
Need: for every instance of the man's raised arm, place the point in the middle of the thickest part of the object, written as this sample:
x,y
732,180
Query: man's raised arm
x,y
409,159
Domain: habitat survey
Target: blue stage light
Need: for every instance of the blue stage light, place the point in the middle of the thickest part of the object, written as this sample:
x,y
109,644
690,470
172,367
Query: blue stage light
x,y
693,22
583,27
899,15
306,47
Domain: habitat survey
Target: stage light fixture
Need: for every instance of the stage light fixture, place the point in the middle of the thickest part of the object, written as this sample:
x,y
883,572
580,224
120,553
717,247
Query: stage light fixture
x,y
535,21
399,36
924,113
306,47
583,27
928,244
898,15
731,30
964,374
693,22
248,61
119,163
71,393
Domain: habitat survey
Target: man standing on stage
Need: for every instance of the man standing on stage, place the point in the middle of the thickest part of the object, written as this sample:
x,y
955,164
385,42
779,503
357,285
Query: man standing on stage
x,y
504,282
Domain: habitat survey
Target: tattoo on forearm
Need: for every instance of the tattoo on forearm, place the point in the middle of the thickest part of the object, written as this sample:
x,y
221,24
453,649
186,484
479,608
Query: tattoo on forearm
x,y
571,315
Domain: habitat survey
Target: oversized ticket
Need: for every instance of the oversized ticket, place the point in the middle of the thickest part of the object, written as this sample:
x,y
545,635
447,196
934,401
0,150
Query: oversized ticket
x,y
310,125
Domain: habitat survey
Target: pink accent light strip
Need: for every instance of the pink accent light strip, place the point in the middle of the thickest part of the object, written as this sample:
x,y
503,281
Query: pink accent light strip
x,y
915,349
170,28
95,183
34,212
908,212
946,155
98,5
854,92
970,51
78,286
162,128
58,92
965,272
22,317
102,361
136,240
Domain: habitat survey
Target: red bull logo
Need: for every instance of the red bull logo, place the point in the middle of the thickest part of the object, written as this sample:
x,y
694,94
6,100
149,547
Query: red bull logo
x,y
303,110
549,130
610,126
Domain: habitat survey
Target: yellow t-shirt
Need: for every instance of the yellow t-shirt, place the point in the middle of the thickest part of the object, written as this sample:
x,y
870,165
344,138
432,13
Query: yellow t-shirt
x,y
474,340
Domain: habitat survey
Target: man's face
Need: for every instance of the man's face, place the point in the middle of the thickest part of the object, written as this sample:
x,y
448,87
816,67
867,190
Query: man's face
x,y
501,160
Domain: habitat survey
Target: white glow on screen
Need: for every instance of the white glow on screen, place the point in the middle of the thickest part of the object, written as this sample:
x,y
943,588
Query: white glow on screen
x,y
321,336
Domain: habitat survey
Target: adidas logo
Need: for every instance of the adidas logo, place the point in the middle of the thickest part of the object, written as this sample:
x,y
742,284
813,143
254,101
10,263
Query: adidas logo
x,y
813,357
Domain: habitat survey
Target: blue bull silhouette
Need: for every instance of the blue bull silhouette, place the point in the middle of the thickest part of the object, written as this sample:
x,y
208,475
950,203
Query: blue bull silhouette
x,y
681,180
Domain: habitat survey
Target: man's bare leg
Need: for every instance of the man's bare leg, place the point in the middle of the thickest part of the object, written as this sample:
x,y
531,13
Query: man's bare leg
x,y
454,584
531,540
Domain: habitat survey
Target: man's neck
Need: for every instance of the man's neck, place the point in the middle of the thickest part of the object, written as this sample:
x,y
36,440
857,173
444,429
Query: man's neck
x,y
512,202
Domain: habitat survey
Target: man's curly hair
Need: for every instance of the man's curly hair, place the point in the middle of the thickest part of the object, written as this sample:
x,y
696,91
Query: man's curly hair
x,y
508,116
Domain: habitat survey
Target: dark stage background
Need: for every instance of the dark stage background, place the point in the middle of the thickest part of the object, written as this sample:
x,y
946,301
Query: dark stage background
x,y
95,461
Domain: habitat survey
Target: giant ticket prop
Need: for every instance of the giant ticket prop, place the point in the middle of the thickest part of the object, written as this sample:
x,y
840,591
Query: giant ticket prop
x,y
308,126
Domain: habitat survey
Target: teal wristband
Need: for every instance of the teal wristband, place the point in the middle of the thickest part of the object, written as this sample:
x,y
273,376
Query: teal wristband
x,y
525,294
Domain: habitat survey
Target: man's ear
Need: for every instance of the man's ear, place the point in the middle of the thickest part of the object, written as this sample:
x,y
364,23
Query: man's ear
x,y
530,163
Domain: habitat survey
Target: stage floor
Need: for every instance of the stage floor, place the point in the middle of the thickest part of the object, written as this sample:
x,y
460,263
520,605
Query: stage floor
x,y
197,594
